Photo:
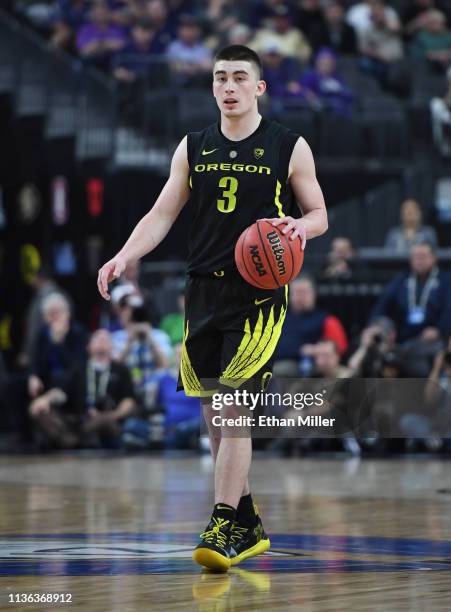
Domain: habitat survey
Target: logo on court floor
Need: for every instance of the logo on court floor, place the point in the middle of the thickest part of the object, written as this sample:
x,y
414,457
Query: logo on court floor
x,y
258,153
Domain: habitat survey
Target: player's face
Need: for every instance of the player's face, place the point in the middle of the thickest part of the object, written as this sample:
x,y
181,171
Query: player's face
x,y
236,87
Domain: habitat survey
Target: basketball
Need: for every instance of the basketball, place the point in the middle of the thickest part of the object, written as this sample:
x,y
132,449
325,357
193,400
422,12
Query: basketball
x,y
267,258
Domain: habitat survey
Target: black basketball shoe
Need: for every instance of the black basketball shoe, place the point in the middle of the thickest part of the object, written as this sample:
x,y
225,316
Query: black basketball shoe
x,y
246,542
213,551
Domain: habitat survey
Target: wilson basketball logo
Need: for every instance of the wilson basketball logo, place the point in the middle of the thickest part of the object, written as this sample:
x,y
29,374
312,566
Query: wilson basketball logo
x,y
278,250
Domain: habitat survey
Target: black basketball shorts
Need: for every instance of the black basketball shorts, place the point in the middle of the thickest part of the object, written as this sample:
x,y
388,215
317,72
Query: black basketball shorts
x,y
231,332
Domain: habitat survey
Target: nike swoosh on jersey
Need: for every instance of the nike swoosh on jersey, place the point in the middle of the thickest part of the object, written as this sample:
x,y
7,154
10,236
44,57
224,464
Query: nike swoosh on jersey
x,y
257,302
204,152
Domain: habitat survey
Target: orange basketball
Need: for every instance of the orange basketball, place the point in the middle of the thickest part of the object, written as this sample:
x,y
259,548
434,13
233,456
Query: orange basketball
x,y
266,258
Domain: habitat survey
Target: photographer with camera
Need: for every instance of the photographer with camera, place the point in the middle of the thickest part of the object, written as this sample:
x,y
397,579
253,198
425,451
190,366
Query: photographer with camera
x,y
142,348
376,340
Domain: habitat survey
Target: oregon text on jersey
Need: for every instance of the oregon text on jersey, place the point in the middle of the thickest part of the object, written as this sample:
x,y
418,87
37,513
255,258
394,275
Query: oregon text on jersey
x,y
234,167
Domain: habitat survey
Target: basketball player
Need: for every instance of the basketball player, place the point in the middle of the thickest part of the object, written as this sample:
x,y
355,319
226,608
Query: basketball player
x,y
237,171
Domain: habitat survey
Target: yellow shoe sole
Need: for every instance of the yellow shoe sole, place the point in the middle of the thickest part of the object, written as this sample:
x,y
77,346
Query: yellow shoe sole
x,y
210,559
257,549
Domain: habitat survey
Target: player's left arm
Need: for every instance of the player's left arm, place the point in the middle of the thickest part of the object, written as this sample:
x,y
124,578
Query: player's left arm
x,y
302,177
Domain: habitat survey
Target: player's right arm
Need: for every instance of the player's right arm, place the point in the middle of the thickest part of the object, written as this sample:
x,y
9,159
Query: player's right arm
x,y
154,226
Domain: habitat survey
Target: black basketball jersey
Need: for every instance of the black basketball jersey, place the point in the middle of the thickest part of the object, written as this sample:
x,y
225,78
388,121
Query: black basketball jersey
x,y
233,184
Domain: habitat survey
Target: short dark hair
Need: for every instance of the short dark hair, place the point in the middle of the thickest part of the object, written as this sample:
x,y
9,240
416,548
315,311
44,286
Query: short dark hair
x,y
236,53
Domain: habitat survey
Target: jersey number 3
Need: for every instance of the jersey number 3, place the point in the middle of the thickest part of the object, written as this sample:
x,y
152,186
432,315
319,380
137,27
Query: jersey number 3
x,y
229,185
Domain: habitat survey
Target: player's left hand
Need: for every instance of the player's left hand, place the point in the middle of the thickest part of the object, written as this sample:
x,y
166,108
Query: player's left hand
x,y
295,226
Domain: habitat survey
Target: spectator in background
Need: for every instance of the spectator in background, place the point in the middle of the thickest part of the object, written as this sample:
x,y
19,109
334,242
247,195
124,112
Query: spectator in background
x,y
376,340
132,62
441,120
310,17
416,13
281,73
239,34
89,408
70,16
157,13
433,40
43,285
419,303
60,345
282,34
327,361
262,11
221,19
323,88
173,323
305,325
340,259
131,276
380,43
98,40
189,58
182,413
334,32
360,16
145,350
411,231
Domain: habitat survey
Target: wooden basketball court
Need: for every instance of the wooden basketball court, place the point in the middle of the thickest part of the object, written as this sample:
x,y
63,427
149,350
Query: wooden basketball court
x,y
116,533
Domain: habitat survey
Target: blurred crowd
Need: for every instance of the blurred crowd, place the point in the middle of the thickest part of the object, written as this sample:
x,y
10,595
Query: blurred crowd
x,y
117,386
301,42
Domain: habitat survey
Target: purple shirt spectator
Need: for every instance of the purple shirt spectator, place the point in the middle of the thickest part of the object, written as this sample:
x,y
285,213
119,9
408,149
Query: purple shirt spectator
x,y
92,33
98,40
324,86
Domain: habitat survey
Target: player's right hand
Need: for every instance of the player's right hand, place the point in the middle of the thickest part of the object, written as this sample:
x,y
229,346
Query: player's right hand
x,y
108,273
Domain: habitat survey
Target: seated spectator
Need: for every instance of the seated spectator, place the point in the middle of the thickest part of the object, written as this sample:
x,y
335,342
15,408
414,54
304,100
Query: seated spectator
x,y
92,404
239,34
60,345
416,13
441,120
360,16
173,323
310,17
98,40
281,73
327,361
376,340
305,325
182,413
340,259
380,43
433,41
439,380
157,14
70,16
411,231
189,58
221,18
334,32
133,61
323,87
132,276
43,285
419,303
282,34
262,11
142,348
